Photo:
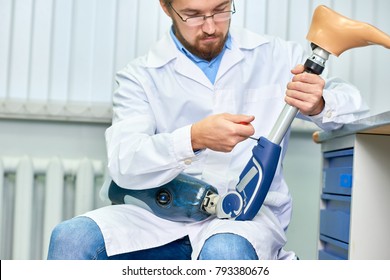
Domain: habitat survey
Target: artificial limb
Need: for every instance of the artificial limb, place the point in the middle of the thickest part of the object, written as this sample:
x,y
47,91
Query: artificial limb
x,y
188,199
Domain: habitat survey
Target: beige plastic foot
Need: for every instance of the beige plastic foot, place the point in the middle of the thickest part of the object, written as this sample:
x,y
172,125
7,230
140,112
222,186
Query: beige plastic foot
x,y
336,33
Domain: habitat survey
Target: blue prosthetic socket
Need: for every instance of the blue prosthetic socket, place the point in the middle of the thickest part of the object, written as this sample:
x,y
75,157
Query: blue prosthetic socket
x,y
184,199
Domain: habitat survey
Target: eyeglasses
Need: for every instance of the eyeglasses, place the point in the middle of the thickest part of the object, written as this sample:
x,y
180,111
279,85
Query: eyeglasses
x,y
199,20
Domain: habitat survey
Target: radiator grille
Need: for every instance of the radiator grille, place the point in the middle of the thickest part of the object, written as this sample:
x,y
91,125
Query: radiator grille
x,y
36,194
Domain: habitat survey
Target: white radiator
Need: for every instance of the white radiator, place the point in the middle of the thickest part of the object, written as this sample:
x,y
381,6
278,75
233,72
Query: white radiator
x,y
36,194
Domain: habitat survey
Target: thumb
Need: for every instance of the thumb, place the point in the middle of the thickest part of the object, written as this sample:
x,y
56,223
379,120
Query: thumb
x,y
298,69
243,119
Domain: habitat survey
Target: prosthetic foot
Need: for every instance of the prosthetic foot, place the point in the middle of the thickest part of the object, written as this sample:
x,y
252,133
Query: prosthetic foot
x,y
336,33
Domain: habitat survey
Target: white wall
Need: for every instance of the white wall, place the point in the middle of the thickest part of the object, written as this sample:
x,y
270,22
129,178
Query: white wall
x,y
58,59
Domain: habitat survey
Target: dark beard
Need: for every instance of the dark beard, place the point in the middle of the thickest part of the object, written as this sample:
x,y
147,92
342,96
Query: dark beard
x,y
208,54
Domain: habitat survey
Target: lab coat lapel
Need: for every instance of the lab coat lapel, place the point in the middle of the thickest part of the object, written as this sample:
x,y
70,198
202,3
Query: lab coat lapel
x,y
189,69
241,39
231,57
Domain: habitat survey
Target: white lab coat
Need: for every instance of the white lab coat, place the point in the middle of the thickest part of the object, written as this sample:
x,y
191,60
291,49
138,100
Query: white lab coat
x,y
149,143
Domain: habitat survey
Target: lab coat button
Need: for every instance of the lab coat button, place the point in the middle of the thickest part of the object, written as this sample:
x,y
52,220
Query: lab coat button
x,y
187,162
329,114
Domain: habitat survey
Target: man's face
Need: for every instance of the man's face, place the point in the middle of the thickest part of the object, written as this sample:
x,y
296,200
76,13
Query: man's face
x,y
207,40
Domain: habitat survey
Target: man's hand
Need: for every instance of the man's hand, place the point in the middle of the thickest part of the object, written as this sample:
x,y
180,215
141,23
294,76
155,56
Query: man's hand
x,y
221,132
305,92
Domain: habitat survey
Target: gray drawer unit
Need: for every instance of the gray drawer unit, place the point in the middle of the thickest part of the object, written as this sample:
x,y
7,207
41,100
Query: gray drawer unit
x,y
355,190
336,200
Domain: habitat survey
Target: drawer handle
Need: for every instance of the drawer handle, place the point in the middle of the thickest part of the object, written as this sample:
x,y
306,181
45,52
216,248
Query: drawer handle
x,y
346,180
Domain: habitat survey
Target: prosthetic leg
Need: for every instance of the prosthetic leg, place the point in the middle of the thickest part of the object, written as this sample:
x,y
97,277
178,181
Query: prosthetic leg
x,y
190,199
329,33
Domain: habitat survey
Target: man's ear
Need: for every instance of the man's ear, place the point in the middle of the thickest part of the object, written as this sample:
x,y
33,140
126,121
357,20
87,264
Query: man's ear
x,y
165,8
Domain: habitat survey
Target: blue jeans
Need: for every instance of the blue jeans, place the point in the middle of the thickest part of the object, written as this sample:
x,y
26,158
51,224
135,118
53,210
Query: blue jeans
x,y
81,239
